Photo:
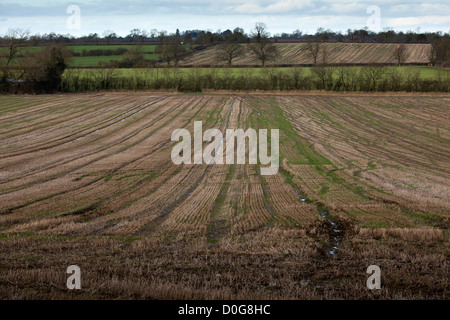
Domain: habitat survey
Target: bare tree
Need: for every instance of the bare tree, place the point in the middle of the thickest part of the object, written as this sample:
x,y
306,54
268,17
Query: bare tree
x,y
324,52
346,78
187,39
400,53
325,75
316,45
263,48
264,51
201,38
260,32
238,35
109,35
133,57
295,74
313,47
432,54
104,76
13,43
372,76
153,33
228,51
162,35
171,49
440,50
35,39
395,79
139,35
142,36
363,34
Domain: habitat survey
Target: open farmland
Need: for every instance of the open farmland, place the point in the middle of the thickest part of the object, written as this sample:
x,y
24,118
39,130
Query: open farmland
x,y
82,59
290,54
87,179
337,53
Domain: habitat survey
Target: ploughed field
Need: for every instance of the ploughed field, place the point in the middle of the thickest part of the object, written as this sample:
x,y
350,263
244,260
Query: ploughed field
x,y
336,53
88,180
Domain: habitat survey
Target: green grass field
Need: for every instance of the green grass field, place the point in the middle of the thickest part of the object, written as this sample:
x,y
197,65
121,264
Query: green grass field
x,y
80,48
425,71
94,61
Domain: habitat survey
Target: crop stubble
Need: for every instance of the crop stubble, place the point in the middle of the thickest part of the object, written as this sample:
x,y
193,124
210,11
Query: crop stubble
x,y
95,169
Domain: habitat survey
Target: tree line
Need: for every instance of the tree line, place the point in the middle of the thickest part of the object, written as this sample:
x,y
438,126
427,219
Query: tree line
x,y
205,37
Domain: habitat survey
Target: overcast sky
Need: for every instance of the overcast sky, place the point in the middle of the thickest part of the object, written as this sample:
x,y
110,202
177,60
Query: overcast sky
x,y
44,16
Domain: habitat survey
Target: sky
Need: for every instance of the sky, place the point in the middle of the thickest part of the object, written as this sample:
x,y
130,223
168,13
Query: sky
x,y
83,17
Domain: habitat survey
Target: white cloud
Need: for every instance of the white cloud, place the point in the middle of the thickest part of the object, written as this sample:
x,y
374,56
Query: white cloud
x,y
289,5
401,8
283,6
347,8
418,21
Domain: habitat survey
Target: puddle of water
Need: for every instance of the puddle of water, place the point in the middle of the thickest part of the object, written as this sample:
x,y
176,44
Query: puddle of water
x,y
336,238
302,199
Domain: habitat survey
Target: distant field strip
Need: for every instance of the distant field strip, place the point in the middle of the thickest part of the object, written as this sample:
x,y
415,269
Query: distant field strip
x,y
337,53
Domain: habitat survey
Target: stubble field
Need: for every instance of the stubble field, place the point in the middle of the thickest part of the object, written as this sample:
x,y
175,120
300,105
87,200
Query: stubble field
x,y
88,180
